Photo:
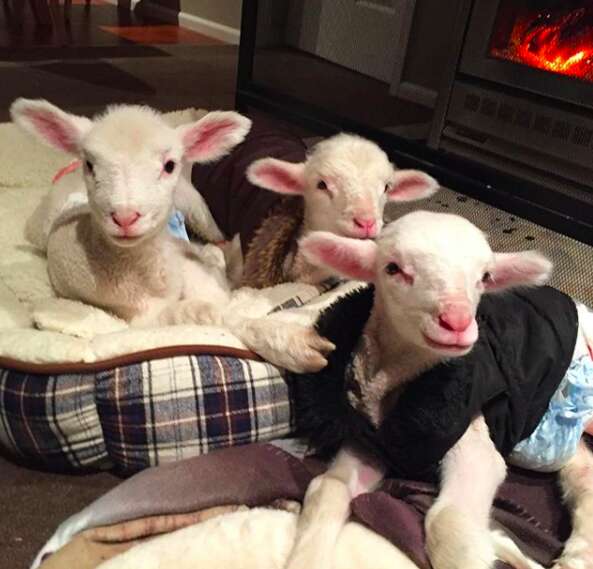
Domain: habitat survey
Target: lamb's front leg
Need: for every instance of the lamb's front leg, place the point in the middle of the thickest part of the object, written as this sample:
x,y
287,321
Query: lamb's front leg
x,y
288,345
576,478
296,347
167,312
193,206
286,338
457,525
207,300
326,508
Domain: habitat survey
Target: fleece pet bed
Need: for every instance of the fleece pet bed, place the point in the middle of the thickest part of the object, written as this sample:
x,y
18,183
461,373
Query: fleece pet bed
x,y
79,389
165,498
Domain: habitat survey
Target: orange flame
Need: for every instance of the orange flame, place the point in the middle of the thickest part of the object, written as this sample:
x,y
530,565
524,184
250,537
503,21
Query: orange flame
x,y
544,49
549,47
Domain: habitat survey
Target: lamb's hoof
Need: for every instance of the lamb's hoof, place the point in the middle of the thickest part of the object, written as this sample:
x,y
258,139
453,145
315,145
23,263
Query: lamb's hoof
x,y
311,351
291,346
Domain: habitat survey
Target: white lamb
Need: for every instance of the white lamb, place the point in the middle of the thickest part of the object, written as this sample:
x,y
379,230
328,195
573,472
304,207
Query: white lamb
x,y
115,252
345,183
69,189
429,272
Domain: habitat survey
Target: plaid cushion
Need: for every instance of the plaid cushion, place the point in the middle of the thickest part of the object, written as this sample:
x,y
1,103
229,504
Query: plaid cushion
x,y
52,420
140,415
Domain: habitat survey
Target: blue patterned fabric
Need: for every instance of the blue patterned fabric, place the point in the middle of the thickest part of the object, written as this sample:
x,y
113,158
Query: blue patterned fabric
x,y
556,437
177,225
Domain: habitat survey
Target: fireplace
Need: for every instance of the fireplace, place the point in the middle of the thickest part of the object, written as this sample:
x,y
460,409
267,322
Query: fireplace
x,y
553,38
502,91
540,46
522,97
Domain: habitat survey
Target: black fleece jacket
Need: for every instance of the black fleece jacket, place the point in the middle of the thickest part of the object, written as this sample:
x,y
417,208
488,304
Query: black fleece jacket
x,y
526,344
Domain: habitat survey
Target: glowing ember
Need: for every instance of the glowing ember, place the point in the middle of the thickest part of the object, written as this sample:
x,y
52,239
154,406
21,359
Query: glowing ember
x,y
557,42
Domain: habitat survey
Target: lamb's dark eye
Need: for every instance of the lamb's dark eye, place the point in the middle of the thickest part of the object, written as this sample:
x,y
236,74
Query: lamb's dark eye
x,y
89,166
486,277
169,166
387,188
392,269
321,185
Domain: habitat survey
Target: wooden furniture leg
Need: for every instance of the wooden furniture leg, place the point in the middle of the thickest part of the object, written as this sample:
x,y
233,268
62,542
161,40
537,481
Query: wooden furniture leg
x,y
40,10
58,21
68,10
17,11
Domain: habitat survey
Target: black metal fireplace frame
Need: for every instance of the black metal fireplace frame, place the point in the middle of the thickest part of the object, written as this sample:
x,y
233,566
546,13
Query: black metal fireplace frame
x,y
476,62
517,196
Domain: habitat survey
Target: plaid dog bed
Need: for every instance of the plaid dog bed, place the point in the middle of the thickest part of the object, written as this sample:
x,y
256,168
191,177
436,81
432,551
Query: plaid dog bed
x,y
134,416
149,407
165,403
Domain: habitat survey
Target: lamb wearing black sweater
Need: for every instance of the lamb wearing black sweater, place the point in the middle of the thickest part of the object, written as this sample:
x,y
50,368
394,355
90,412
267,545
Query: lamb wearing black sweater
x,y
429,379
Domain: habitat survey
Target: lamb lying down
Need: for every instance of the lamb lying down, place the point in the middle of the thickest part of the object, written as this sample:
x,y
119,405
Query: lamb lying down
x,y
431,378
342,187
115,252
69,191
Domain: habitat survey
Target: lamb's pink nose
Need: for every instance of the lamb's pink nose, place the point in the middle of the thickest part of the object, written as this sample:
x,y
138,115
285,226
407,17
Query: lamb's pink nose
x,y
368,224
455,319
125,218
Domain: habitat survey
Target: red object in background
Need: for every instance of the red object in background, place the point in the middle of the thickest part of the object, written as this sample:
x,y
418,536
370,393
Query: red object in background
x,y
559,40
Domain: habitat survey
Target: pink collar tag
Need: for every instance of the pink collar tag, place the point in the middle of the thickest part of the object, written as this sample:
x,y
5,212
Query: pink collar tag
x,y
67,170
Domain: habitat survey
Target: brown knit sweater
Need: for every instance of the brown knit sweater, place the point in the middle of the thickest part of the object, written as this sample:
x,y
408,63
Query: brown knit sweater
x,y
268,223
270,254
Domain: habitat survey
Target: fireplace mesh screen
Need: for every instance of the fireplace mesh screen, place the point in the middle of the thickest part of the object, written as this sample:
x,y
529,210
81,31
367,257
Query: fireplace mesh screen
x,y
573,260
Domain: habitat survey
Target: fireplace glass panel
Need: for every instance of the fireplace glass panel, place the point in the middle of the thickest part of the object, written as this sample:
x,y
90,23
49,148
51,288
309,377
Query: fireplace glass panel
x,y
552,35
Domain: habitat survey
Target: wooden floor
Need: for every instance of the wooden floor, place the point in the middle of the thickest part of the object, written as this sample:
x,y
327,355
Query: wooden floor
x,y
109,57
99,24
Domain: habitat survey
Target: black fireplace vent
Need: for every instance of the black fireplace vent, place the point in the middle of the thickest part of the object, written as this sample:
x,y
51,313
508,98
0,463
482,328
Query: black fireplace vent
x,y
524,118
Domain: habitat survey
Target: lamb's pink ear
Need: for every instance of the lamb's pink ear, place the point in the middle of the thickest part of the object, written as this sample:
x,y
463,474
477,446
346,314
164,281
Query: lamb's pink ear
x,y
213,136
350,258
528,268
278,175
411,185
50,125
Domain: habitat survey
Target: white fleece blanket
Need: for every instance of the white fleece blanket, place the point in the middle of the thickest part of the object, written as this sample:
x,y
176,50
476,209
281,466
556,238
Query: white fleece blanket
x,y
255,539
30,315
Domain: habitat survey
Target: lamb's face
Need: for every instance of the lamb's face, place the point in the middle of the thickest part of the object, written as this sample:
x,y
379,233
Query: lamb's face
x,y
430,271
345,183
132,162
132,158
